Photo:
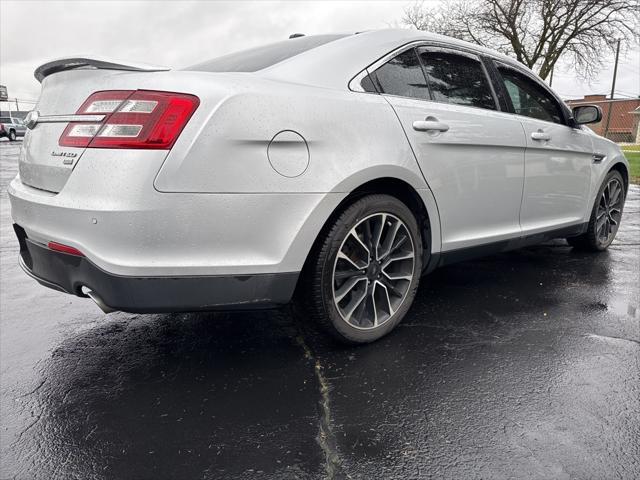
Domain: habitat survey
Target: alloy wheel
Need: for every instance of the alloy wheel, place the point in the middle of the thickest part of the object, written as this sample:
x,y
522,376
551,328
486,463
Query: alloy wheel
x,y
373,271
609,211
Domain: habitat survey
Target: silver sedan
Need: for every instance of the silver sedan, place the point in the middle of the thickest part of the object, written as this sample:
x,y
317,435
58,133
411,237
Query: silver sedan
x,y
332,170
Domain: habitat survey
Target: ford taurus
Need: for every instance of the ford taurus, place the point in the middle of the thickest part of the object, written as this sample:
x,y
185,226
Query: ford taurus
x,y
334,170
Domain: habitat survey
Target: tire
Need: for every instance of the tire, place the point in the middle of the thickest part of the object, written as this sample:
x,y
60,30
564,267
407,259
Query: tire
x,y
12,136
387,285
606,215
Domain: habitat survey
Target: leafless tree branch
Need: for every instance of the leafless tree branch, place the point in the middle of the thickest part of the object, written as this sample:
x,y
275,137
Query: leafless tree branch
x,y
537,32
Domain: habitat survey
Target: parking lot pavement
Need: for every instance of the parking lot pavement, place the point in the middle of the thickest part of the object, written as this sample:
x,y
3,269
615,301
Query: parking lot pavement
x,y
520,365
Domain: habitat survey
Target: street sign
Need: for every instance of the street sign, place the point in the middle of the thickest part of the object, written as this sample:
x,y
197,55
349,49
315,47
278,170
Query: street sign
x,y
3,93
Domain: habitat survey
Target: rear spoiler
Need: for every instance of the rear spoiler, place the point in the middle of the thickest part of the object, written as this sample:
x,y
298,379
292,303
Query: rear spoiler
x,y
70,63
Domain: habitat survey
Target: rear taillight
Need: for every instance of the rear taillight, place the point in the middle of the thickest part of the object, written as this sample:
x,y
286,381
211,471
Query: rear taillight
x,y
132,119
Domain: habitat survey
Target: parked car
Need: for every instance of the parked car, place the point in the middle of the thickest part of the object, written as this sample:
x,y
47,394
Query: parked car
x,y
12,128
334,170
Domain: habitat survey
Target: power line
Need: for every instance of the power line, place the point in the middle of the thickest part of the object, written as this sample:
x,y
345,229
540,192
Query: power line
x,y
627,94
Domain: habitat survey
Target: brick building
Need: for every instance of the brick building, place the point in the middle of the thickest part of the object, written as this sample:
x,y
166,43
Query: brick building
x,y
624,120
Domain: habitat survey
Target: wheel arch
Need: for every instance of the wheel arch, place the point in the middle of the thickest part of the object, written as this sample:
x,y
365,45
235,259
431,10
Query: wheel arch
x,y
404,192
623,170
419,201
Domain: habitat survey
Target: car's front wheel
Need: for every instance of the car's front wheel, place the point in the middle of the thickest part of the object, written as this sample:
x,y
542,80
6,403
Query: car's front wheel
x,y
605,216
12,136
363,275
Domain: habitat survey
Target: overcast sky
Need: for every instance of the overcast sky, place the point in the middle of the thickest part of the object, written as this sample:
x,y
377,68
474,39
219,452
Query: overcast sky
x,y
180,33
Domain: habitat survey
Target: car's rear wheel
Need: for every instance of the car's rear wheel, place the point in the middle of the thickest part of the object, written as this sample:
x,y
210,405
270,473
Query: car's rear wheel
x,y
363,275
605,216
12,136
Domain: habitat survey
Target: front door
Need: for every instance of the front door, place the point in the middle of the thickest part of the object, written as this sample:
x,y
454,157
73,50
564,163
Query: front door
x,y
558,157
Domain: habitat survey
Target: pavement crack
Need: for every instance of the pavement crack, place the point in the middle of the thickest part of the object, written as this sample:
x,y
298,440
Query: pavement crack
x,y
26,429
326,438
95,427
28,394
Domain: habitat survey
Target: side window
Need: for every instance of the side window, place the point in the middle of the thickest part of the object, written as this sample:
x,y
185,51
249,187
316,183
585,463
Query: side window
x,y
403,76
528,98
456,78
367,85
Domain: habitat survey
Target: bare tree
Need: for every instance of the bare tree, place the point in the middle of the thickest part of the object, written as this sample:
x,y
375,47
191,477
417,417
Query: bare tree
x,y
536,32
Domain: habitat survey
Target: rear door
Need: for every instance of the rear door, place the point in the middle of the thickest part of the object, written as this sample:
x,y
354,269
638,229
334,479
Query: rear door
x,y
558,158
471,154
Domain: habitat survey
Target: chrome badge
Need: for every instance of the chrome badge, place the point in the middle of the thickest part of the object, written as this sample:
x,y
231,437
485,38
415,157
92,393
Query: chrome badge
x,y
31,120
64,154
67,157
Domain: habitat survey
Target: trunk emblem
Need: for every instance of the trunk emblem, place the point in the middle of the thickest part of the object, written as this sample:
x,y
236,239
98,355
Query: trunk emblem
x,y
67,156
64,154
31,120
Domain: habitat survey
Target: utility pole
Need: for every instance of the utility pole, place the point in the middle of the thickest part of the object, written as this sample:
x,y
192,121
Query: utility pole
x,y
613,89
615,69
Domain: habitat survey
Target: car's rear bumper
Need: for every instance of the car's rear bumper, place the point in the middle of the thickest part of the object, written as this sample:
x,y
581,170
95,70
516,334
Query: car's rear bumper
x,y
132,230
70,273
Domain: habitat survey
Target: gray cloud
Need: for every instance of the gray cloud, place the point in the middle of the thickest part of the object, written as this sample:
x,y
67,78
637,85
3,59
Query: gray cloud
x,y
182,33
166,33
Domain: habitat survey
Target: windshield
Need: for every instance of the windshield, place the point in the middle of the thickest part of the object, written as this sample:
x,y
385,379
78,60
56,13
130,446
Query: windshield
x,y
259,58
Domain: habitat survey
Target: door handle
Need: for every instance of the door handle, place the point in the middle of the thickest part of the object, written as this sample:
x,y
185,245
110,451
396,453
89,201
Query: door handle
x,y
540,135
430,124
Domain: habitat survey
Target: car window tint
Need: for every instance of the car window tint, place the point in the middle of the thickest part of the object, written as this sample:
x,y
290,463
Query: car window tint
x,y
528,98
265,56
367,85
5,120
403,76
456,78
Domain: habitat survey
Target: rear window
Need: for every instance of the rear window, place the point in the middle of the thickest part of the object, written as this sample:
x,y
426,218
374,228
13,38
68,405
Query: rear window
x,y
259,58
403,76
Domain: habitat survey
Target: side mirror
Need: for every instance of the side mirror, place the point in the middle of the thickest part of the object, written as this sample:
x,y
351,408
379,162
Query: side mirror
x,y
584,114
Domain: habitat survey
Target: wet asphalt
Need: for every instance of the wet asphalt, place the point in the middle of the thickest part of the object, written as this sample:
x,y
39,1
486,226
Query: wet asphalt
x,y
519,365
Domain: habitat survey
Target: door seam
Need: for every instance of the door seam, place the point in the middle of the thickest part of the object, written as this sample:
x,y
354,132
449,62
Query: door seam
x,y
524,175
415,158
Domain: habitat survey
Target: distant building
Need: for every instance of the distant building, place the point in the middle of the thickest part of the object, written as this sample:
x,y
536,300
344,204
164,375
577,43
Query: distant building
x,y
636,114
20,114
623,123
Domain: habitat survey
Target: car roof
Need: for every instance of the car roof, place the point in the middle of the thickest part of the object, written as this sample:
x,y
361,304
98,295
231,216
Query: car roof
x,y
334,64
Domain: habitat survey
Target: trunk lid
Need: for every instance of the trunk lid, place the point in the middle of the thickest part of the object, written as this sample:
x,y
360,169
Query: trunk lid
x,y
43,163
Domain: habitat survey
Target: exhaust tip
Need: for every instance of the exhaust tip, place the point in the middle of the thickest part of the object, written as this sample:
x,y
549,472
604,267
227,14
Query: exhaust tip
x,y
98,301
